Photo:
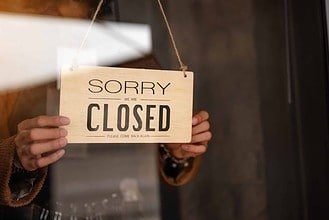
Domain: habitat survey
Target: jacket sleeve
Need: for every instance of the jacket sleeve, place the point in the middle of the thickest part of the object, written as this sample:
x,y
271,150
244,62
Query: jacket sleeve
x,y
180,174
9,181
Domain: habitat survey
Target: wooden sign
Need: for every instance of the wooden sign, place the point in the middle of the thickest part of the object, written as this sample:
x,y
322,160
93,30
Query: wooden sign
x,y
122,105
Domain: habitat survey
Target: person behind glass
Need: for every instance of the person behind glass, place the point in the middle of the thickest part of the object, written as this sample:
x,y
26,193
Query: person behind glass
x,y
40,142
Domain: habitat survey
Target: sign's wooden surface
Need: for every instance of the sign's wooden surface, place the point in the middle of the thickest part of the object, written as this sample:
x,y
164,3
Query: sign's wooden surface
x,y
121,105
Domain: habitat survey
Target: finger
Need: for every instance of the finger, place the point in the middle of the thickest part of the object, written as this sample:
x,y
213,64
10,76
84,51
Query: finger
x,y
38,134
205,136
200,117
43,121
45,147
194,149
21,138
204,126
50,159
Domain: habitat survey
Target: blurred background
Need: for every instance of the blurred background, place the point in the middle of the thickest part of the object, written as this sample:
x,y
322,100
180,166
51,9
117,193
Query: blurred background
x,y
262,72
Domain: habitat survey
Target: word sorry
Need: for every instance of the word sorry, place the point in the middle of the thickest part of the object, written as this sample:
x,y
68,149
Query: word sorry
x,y
114,86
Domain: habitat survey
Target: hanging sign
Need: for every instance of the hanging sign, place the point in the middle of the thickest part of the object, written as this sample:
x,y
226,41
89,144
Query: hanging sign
x,y
121,105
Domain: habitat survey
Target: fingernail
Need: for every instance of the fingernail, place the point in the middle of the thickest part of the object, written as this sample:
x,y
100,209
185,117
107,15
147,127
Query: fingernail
x,y
63,142
63,132
65,120
194,121
60,152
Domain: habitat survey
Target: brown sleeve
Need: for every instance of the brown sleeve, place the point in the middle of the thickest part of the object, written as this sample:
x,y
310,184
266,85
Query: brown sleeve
x,y
7,152
184,176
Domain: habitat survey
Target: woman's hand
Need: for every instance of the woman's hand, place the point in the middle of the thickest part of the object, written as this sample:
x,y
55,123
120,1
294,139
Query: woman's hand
x,y
200,137
40,141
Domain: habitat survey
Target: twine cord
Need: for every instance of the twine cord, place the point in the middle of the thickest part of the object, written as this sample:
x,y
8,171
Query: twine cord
x,y
83,43
183,67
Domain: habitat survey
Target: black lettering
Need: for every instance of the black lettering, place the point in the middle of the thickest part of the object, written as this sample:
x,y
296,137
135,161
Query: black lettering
x,y
163,88
107,87
131,87
105,119
138,118
119,123
145,87
149,118
167,125
92,83
89,117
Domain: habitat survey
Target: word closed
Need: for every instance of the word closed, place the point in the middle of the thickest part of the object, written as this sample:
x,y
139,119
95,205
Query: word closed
x,y
124,115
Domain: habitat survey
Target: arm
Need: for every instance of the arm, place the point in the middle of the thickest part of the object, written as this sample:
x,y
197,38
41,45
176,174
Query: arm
x,y
179,163
8,188
38,143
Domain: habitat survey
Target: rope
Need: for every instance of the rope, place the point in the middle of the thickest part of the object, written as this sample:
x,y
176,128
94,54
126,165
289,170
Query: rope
x,y
183,67
82,45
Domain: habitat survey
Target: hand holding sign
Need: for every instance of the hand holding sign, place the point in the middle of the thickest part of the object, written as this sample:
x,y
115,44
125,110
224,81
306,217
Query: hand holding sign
x,y
200,137
39,141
